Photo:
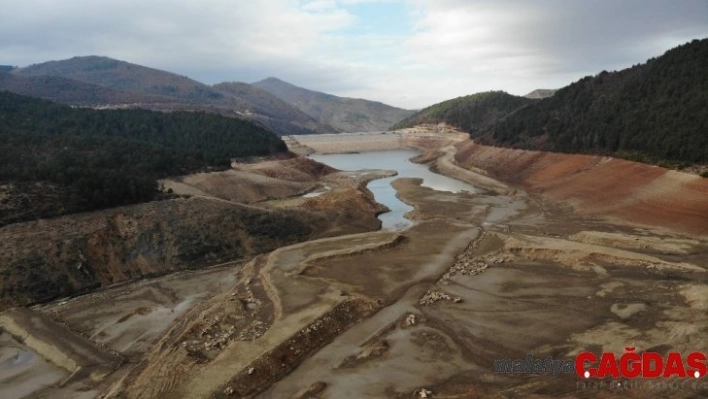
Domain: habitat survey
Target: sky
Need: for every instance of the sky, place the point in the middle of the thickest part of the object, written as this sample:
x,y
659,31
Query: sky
x,y
407,53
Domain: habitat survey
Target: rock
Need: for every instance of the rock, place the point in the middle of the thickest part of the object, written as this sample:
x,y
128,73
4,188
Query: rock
x,y
251,371
230,391
424,393
431,297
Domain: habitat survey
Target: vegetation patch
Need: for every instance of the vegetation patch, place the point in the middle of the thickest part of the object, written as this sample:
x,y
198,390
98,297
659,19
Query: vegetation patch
x,y
88,159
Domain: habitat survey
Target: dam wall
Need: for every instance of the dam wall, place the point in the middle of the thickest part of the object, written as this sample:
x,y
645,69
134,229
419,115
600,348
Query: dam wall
x,y
422,138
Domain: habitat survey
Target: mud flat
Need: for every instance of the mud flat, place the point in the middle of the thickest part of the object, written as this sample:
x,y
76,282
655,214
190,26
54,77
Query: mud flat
x,y
521,284
536,278
499,273
24,372
128,319
80,359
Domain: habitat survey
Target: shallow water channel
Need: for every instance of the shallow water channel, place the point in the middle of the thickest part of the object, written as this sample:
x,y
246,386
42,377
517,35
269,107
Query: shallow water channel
x,y
381,188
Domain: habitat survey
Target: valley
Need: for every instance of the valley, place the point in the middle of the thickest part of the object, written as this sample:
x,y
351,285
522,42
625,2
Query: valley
x,y
545,253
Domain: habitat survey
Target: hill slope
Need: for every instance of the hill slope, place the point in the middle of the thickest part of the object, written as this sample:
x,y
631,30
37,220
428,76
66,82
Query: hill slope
x,y
469,113
650,112
653,112
59,160
276,110
344,114
72,92
598,186
125,83
124,76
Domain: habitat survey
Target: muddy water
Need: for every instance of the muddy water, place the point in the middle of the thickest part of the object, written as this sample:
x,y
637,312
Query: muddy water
x,y
397,160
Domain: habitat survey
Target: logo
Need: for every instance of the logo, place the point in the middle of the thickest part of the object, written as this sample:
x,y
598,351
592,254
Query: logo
x,y
646,365
532,365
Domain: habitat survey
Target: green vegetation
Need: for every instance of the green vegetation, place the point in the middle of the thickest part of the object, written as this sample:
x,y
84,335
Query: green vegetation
x,y
470,113
653,112
91,81
97,159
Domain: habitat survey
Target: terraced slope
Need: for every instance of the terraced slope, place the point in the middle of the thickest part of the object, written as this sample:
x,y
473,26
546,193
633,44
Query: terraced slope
x,y
601,186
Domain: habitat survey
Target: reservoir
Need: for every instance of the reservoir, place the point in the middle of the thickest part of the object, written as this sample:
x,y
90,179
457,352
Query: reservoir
x,y
384,193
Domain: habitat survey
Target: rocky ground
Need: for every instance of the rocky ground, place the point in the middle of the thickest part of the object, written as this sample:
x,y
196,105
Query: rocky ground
x,y
425,312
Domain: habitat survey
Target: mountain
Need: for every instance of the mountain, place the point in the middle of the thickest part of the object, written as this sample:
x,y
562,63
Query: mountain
x,y
656,112
72,92
58,159
124,76
540,93
101,81
652,112
344,114
276,110
470,113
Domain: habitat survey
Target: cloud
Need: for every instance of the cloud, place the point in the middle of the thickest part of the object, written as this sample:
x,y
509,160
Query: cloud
x,y
209,30
412,54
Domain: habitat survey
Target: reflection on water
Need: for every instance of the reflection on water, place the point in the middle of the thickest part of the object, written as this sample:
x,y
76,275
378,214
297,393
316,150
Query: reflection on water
x,y
381,188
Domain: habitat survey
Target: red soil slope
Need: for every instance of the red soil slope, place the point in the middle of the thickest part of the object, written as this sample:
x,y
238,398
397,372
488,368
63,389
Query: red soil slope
x,y
600,186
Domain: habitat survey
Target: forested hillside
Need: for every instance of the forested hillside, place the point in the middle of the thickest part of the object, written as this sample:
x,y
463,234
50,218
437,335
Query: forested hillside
x,y
655,112
470,113
652,112
72,92
100,81
57,159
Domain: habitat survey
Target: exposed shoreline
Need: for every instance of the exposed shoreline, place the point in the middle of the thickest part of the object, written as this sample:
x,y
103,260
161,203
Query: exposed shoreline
x,y
479,276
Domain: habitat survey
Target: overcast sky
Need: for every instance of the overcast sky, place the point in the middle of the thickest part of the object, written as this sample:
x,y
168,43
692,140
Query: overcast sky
x,y
408,53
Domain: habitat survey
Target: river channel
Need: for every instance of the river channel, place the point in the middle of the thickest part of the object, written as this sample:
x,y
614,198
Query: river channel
x,y
384,193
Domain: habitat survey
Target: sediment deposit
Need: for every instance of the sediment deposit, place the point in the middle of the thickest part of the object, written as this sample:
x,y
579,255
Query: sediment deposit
x,y
543,259
600,186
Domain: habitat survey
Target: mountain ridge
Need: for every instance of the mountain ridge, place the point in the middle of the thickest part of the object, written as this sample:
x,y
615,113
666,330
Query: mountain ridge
x,y
70,91
342,113
271,106
97,81
470,113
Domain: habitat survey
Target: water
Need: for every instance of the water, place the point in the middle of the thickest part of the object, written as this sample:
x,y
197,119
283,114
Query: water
x,y
383,192
325,189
